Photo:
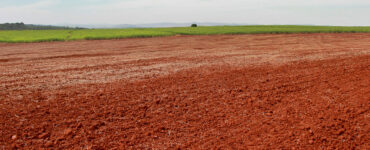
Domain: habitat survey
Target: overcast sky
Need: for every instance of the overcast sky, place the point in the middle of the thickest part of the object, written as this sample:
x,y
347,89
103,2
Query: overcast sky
x,y
318,12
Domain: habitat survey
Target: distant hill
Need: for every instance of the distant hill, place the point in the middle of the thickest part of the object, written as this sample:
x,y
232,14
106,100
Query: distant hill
x,y
22,26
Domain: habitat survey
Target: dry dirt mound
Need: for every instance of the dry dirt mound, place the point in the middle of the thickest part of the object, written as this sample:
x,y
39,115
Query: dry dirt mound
x,y
309,98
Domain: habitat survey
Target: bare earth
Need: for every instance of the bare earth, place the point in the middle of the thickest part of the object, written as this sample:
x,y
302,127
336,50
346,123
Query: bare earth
x,y
305,91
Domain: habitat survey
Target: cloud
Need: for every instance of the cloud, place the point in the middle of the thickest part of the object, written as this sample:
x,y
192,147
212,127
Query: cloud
x,y
330,12
37,4
38,11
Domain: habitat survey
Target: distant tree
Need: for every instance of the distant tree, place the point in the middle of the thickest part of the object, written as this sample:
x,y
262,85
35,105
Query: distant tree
x,y
19,23
22,26
194,25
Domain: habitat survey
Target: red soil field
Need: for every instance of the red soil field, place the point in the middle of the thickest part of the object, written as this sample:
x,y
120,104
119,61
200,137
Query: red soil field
x,y
282,91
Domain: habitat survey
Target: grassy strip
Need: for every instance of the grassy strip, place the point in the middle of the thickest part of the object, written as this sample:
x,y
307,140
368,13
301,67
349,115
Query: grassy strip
x,y
26,36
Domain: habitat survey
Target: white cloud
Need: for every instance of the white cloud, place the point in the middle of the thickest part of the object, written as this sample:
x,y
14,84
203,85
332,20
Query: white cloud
x,y
330,12
34,12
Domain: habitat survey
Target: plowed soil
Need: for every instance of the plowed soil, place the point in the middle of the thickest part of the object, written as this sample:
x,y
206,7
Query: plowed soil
x,y
288,91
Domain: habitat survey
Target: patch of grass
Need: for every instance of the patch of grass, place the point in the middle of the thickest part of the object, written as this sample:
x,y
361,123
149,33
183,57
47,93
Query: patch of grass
x,y
26,36
97,34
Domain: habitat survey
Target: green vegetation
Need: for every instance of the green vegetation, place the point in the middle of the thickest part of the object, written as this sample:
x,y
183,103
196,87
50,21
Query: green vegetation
x,y
22,26
88,34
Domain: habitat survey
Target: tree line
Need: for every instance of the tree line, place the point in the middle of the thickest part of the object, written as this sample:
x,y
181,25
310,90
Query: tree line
x,y
22,26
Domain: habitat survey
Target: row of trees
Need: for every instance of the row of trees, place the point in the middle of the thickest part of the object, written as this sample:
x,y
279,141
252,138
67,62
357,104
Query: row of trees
x,y
22,26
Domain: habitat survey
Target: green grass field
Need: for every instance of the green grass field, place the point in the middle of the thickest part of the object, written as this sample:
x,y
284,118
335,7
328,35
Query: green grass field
x,y
23,36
